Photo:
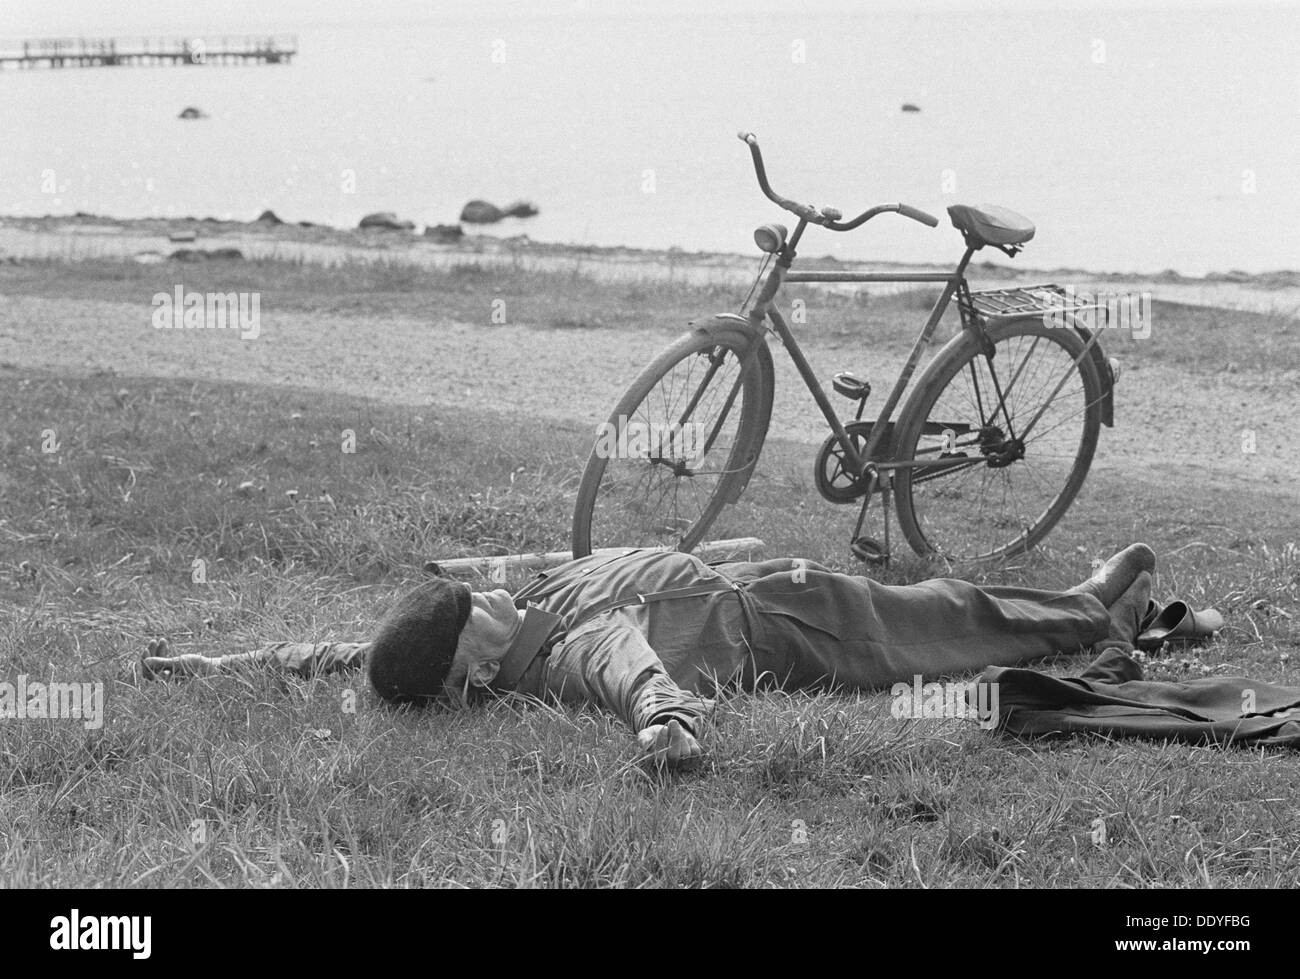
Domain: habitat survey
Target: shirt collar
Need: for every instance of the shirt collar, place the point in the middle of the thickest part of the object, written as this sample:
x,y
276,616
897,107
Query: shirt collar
x,y
535,629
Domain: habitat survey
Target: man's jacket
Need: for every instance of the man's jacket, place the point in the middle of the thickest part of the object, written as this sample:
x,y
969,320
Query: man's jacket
x,y
1112,698
650,635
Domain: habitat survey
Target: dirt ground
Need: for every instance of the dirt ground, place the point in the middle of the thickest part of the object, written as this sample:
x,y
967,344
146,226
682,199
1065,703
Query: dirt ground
x,y
1171,421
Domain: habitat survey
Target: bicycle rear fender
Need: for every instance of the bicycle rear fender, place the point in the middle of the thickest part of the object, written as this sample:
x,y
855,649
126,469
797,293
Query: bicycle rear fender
x,y
753,338
1103,371
1099,361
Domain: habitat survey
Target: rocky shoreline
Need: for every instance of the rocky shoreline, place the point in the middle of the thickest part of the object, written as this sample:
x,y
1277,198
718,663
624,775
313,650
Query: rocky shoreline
x,y
96,236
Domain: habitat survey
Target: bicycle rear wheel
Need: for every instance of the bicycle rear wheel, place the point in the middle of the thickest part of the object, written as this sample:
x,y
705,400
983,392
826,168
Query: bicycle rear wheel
x,y
1026,420
679,446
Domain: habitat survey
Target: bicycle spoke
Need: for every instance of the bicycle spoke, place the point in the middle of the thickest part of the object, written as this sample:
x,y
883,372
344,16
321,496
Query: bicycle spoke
x,y
1028,416
680,439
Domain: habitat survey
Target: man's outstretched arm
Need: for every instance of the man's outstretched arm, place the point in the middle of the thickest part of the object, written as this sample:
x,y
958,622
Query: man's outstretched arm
x,y
299,658
609,661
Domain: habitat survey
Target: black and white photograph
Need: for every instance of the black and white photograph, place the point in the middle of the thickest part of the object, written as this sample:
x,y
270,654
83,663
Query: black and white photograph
x,y
594,444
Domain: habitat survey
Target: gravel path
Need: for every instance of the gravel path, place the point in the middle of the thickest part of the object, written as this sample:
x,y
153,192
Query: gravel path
x,y
1176,423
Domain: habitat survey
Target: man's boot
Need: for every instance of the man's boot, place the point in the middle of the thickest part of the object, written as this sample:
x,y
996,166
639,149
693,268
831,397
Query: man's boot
x,y
1126,614
1114,577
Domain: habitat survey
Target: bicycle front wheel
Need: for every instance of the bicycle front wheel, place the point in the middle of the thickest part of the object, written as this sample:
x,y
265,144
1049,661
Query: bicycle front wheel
x,y
1009,439
679,446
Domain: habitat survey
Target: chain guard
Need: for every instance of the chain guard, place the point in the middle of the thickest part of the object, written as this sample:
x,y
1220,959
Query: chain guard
x,y
833,482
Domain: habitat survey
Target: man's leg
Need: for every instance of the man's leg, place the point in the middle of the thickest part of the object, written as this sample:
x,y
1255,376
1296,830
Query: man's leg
x,y
1126,615
861,633
951,626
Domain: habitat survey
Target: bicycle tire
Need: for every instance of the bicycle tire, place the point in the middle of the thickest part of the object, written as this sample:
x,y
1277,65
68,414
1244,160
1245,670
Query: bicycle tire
x,y
930,501
605,517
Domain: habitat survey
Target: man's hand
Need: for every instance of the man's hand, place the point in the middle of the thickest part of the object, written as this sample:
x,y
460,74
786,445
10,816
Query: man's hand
x,y
670,745
158,665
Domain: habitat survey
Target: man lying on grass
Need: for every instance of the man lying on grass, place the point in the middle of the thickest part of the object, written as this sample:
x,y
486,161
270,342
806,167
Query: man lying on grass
x,y
651,635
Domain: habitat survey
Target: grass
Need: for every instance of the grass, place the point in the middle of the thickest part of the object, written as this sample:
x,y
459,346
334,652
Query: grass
x,y
265,781
463,292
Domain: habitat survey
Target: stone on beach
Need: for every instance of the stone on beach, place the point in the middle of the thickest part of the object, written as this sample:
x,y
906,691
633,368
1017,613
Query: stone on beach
x,y
521,209
386,221
445,234
481,212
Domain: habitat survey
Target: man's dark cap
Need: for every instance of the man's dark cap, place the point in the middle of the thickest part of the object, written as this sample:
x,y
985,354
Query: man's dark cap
x,y
416,642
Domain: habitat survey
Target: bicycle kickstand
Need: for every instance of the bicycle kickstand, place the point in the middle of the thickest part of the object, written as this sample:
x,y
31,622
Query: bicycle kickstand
x,y
868,550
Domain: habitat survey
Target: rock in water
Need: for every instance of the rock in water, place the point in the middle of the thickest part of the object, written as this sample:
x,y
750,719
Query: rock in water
x,y
190,112
909,107
481,212
386,221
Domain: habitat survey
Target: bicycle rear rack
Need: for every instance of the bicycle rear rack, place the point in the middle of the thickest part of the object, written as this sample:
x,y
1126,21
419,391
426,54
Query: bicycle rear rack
x,y
995,304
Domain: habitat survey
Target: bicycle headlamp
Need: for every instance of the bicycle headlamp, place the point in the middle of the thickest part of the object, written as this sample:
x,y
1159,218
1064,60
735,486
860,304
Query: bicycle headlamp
x,y
770,237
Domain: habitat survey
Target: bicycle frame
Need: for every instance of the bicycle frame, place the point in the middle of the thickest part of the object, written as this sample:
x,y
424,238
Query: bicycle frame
x,y
764,309
871,454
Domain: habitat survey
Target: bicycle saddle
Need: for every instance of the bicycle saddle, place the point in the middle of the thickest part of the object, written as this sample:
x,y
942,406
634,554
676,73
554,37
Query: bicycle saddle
x,y
991,225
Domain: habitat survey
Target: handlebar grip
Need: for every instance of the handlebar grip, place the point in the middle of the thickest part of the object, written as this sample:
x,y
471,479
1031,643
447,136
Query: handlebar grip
x,y
916,214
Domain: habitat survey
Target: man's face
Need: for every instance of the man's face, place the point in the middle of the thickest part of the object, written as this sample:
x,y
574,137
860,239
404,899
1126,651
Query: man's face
x,y
491,627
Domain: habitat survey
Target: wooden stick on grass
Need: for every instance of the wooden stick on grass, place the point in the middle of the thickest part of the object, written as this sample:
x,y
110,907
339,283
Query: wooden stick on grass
x,y
498,565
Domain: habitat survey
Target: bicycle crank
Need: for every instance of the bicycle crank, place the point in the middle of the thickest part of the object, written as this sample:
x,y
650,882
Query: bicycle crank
x,y
868,550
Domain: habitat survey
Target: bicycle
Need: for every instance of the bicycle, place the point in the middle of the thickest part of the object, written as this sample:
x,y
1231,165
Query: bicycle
x,y
983,460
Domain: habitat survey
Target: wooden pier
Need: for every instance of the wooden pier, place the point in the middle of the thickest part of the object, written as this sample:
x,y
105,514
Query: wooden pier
x,y
82,52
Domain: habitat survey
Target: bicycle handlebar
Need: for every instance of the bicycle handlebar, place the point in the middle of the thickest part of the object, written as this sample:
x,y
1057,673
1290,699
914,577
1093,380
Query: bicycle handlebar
x,y
826,217
916,214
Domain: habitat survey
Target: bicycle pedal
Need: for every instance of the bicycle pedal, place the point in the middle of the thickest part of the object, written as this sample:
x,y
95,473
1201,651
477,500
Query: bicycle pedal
x,y
851,386
868,550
